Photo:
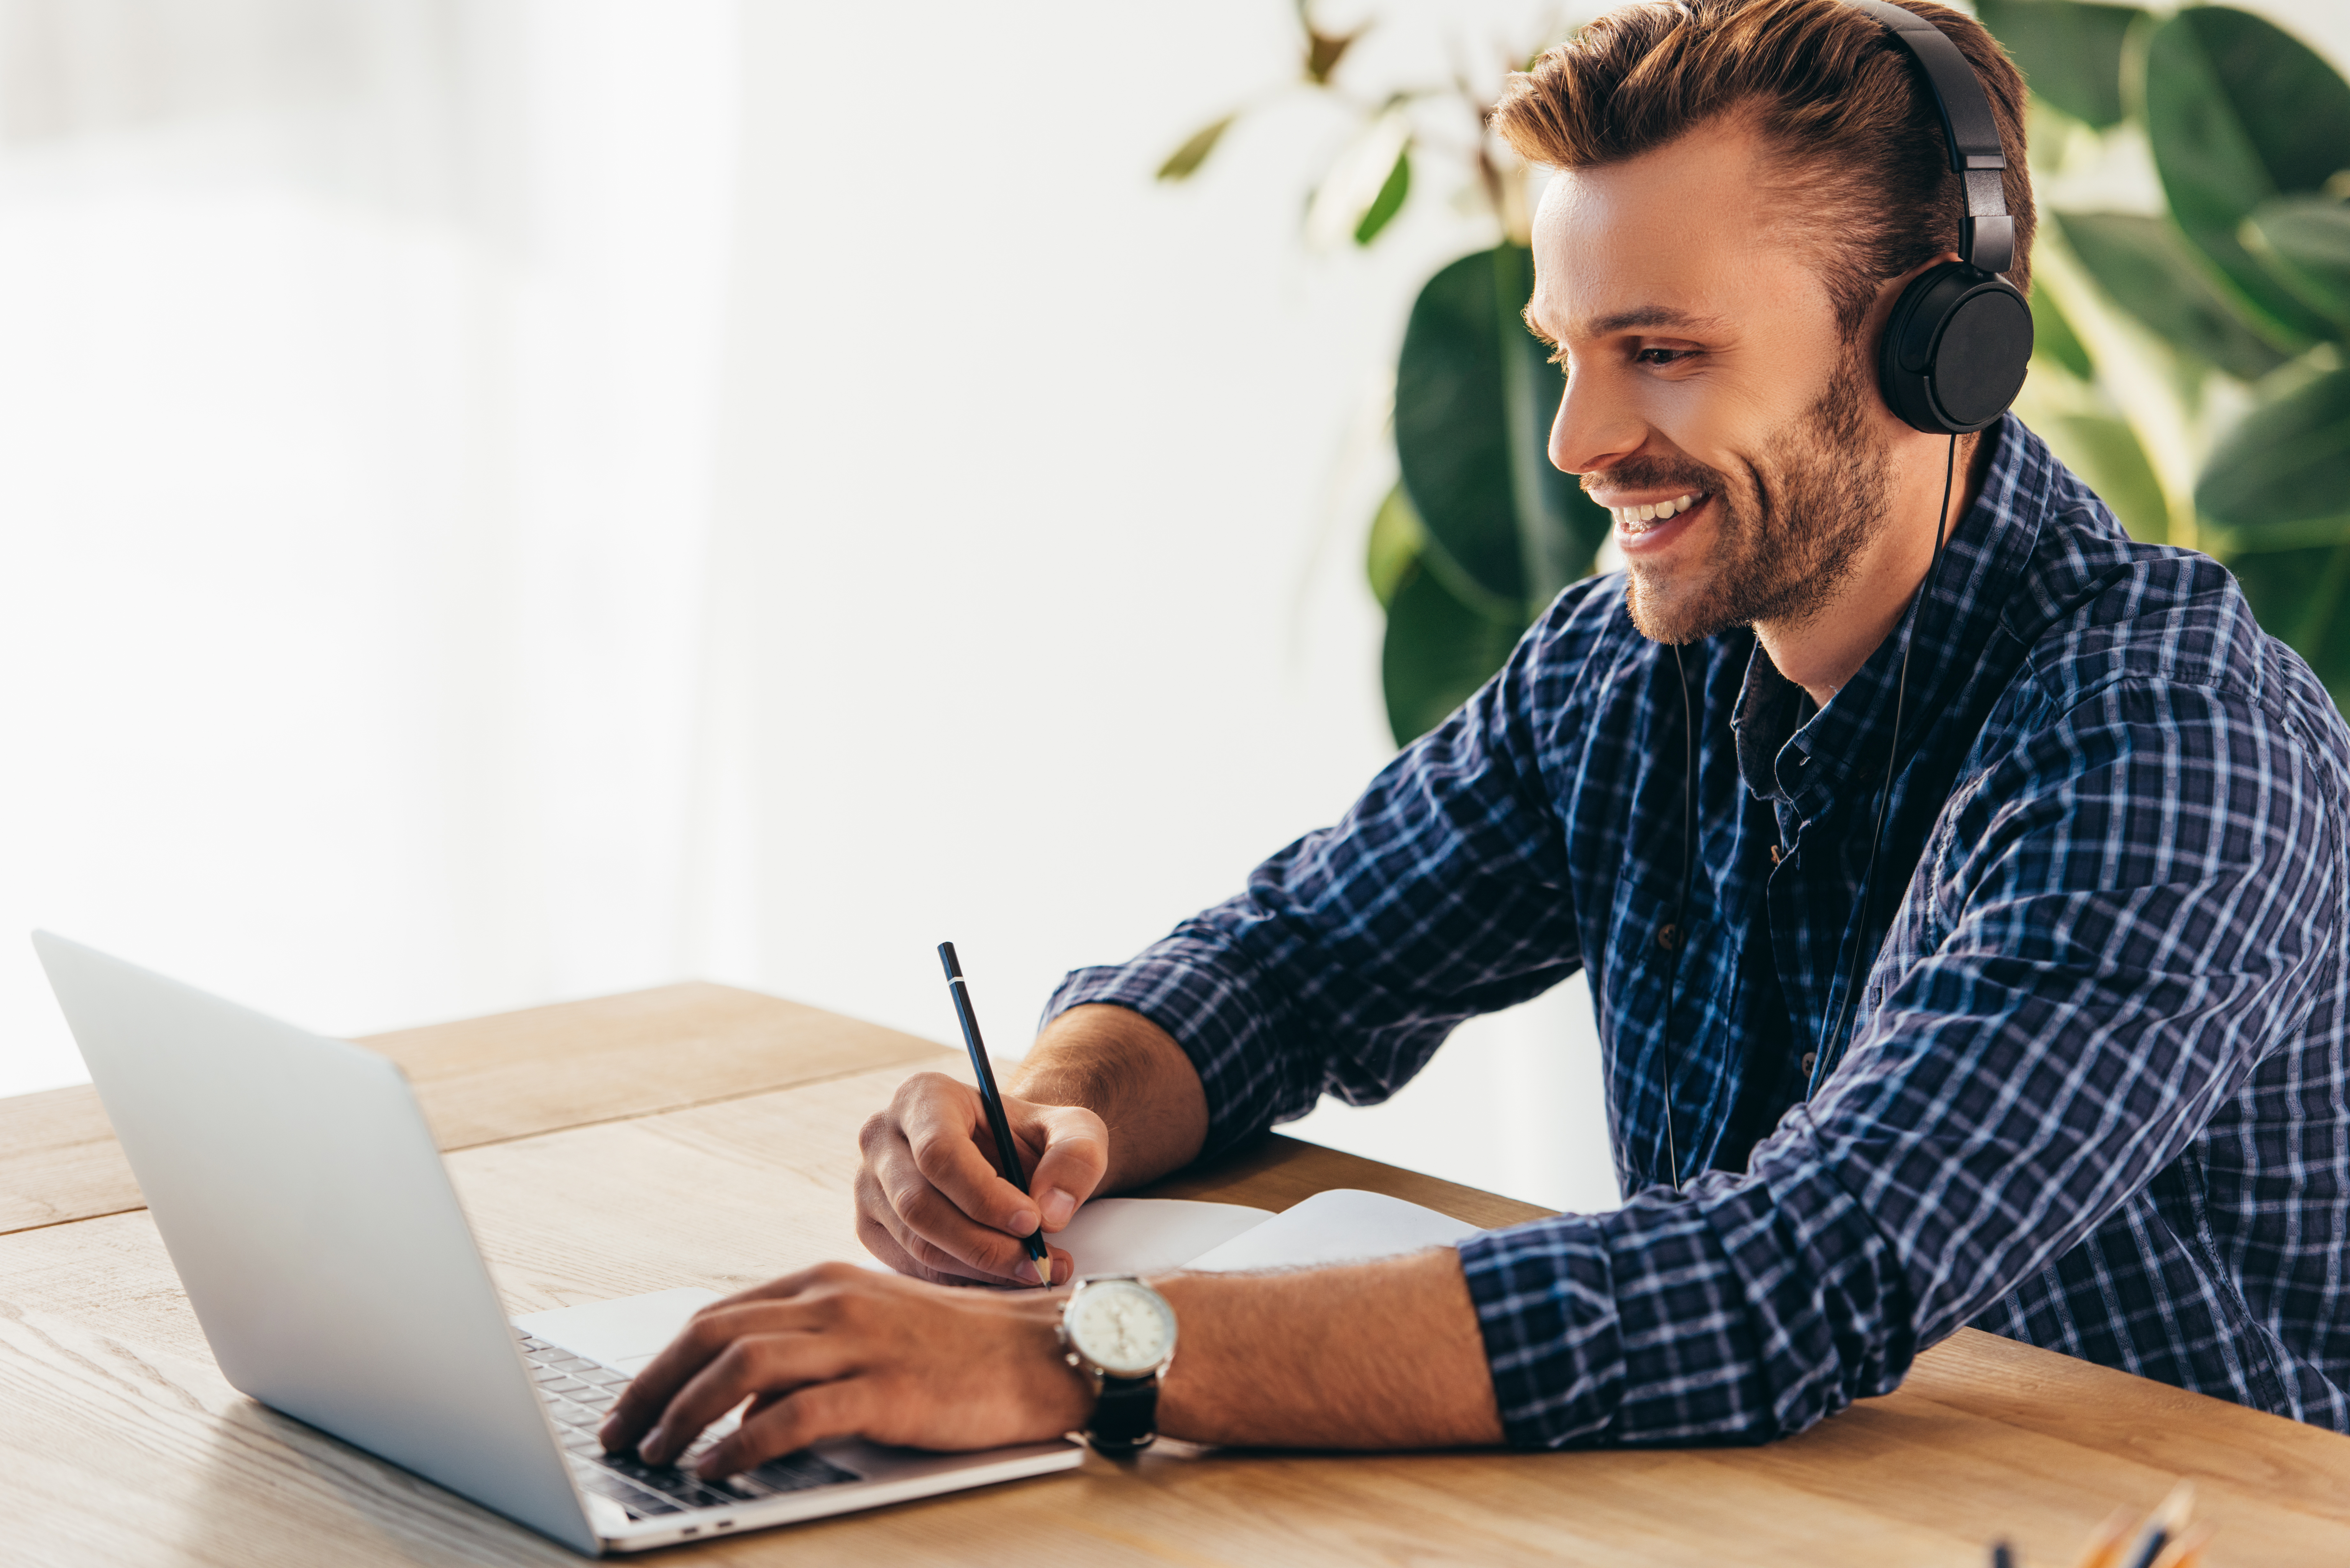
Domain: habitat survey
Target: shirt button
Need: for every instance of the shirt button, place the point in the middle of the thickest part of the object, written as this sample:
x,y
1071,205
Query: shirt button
x,y
1811,1060
1668,937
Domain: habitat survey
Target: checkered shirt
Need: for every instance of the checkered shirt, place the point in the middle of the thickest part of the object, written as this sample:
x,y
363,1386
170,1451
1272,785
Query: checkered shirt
x,y
2092,1095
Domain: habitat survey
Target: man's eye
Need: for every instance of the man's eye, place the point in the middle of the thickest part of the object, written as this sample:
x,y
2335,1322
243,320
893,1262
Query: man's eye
x,y
1662,355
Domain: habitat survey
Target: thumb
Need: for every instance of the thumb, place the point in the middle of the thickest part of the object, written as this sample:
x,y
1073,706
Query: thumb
x,y
1076,1154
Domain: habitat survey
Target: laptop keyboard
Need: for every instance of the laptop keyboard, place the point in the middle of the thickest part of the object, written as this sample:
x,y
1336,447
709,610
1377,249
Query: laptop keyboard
x,y
580,1393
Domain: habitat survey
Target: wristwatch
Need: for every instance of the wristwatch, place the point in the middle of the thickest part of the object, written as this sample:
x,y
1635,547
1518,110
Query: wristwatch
x,y
1119,1333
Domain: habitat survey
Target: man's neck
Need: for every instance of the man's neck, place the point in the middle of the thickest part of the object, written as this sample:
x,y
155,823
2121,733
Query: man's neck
x,y
1827,647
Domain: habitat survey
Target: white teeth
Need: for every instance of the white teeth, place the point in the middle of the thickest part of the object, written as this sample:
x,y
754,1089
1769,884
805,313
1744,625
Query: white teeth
x,y
1629,516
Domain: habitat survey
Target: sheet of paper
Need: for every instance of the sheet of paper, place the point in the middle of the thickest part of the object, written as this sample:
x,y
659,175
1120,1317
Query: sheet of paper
x,y
625,1332
1337,1226
1150,1235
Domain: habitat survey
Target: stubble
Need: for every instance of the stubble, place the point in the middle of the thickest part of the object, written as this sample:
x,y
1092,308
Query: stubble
x,y
1789,528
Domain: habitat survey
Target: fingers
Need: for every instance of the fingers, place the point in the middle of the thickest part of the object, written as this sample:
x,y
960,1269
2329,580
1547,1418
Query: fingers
x,y
940,1237
935,1119
932,1202
752,1363
789,1424
888,1237
702,1340
944,1125
1076,1154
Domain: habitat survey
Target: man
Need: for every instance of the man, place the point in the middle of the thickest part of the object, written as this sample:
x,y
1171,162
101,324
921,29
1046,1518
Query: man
x,y
2091,1093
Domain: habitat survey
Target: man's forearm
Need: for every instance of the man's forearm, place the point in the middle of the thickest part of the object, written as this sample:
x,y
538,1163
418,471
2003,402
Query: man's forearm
x,y
1131,1073
1383,1354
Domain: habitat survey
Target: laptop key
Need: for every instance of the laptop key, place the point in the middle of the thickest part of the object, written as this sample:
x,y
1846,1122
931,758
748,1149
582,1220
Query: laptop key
x,y
798,1472
670,1482
637,1500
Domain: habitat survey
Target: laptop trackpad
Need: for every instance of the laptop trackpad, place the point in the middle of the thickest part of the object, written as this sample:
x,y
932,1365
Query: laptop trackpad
x,y
624,1334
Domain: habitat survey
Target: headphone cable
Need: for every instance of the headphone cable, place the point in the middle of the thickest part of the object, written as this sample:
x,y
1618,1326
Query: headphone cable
x,y
1892,756
1680,904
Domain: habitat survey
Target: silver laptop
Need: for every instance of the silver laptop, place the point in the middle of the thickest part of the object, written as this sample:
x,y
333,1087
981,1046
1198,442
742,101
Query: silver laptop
x,y
304,1202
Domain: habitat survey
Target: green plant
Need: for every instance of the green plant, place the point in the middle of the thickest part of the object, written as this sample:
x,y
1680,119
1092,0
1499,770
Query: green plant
x,y
1480,532
2191,302
2193,291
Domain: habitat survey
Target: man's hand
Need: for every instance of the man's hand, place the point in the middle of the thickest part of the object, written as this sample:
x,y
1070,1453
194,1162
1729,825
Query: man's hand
x,y
1383,1354
930,1201
836,1351
1105,1100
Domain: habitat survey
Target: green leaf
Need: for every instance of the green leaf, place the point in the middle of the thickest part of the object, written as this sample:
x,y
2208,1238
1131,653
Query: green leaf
x,y
2302,596
2238,111
2288,461
1325,50
1185,161
2305,241
2070,54
2053,337
2145,267
1474,398
1438,652
1397,541
2106,452
1388,201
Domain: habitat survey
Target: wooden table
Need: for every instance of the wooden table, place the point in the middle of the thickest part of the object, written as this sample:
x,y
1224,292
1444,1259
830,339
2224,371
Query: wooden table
x,y
697,1135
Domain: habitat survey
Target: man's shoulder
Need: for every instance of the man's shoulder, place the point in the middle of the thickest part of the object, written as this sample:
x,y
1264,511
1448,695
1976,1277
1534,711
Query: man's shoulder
x,y
2096,610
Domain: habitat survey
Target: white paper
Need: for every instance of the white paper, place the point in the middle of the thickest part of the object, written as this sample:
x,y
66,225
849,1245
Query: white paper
x,y
1342,1225
625,1332
1150,1235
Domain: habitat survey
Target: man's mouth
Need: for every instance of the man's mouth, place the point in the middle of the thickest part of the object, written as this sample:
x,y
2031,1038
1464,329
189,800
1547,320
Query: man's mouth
x,y
1640,519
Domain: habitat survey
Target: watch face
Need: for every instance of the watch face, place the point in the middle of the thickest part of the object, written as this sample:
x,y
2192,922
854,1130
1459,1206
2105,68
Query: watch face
x,y
1125,1328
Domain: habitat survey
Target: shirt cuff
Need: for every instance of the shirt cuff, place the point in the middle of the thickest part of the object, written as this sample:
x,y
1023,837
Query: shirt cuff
x,y
1177,985
1545,1300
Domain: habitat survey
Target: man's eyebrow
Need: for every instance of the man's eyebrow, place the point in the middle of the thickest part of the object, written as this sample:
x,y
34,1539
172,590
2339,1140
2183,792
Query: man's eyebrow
x,y
1626,320
1647,316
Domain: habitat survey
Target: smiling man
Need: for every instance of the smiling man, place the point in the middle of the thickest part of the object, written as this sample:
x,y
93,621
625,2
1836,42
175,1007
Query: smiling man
x,y
2076,1072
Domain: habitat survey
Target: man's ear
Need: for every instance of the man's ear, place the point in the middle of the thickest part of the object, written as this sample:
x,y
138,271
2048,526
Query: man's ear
x,y
1889,293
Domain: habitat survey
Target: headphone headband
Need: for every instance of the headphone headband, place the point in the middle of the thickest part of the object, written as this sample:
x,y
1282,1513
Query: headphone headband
x,y
1971,131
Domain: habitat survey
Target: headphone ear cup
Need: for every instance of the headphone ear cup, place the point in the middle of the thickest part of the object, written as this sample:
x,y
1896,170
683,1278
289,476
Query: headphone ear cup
x,y
1955,349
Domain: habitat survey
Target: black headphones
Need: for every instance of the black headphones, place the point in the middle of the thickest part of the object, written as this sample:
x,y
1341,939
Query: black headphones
x,y
1953,358
1959,336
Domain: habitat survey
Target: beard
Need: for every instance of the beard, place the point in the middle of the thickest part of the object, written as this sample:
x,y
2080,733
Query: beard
x,y
1788,532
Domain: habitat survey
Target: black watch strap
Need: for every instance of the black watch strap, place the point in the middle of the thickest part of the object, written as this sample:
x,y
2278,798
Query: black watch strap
x,y
1126,1416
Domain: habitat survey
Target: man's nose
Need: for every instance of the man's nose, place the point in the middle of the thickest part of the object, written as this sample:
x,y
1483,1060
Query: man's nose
x,y
1594,427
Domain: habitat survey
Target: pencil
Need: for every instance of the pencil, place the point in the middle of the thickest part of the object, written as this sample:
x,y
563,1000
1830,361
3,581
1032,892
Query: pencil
x,y
998,1123
2165,1524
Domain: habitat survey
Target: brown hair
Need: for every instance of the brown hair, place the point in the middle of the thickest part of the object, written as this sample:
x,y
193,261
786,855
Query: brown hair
x,y
1834,94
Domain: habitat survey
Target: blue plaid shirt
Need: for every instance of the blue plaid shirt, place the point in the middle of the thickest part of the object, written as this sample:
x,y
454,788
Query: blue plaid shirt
x,y
2092,1095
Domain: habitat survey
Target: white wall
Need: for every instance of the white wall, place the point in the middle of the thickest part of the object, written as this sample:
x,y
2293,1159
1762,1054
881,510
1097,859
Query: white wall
x,y
515,499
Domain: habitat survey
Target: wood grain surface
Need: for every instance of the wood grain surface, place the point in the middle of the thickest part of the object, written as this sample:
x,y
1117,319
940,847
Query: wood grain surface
x,y
120,1444
485,1079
